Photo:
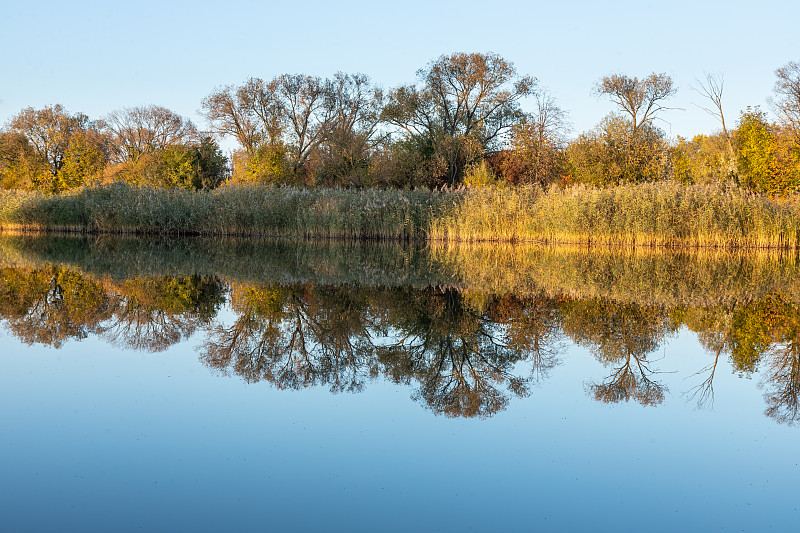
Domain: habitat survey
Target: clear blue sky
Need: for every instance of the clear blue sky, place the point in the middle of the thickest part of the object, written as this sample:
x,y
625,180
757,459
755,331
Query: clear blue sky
x,y
95,57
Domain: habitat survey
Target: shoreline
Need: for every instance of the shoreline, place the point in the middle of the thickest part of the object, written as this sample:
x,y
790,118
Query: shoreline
x,y
587,244
650,215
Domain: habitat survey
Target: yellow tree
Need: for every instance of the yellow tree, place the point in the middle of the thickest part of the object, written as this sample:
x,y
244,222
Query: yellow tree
x,y
767,157
48,132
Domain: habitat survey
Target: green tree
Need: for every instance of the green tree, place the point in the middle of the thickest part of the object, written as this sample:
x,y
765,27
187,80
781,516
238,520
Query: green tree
x,y
191,166
267,165
212,164
20,166
703,159
767,157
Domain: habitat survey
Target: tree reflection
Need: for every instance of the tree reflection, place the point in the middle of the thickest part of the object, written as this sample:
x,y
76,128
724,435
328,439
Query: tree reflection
x,y
532,327
52,304
620,335
304,335
764,332
453,352
156,312
713,330
782,378
296,336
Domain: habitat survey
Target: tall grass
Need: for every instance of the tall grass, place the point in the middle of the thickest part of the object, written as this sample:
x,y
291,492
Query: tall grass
x,y
654,214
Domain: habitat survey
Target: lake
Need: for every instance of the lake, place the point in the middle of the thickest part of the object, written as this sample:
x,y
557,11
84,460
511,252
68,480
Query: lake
x,y
201,384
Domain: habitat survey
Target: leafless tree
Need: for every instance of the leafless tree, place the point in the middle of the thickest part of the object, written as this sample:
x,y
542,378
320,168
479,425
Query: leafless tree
x,y
787,90
232,111
711,89
302,100
146,129
352,130
537,143
290,109
641,100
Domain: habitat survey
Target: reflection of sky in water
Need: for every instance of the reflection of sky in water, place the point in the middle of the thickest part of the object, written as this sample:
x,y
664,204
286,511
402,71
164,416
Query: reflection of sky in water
x,y
97,438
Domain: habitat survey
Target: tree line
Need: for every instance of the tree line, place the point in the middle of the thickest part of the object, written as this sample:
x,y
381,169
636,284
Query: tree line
x,y
461,122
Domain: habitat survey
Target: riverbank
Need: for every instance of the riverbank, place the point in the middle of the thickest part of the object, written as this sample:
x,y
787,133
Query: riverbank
x,y
666,214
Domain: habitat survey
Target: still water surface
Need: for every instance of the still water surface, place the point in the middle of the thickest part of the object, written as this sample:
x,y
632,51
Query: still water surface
x,y
208,385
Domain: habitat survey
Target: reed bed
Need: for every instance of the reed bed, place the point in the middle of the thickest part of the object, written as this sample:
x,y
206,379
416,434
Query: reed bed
x,y
664,214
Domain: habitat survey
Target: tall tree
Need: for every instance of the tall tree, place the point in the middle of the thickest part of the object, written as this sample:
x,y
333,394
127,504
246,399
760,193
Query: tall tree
x,y
287,115
48,131
246,113
711,89
148,129
302,100
461,101
787,89
352,132
639,103
639,100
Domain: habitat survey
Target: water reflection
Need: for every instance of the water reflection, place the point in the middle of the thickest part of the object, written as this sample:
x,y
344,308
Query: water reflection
x,y
623,336
51,305
341,337
458,355
154,313
466,347
296,336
